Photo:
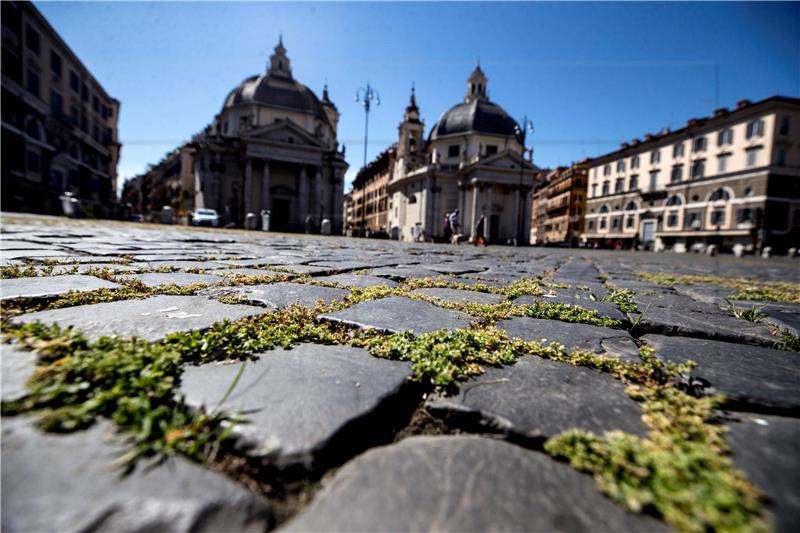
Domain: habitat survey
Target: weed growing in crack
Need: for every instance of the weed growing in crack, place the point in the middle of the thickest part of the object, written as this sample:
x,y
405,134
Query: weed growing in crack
x,y
568,313
623,298
127,380
754,314
679,471
442,358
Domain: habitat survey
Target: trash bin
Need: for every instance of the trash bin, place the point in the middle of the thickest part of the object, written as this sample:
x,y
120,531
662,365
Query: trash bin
x,y
395,233
250,221
265,220
167,216
325,227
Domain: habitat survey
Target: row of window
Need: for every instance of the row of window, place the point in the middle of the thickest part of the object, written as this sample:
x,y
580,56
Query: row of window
x,y
33,43
718,217
754,128
698,171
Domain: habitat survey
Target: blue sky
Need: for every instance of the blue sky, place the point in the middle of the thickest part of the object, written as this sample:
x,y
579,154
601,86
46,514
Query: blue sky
x,y
589,75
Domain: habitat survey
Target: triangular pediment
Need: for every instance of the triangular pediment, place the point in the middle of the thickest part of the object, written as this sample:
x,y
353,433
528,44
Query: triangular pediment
x,y
283,132
505,159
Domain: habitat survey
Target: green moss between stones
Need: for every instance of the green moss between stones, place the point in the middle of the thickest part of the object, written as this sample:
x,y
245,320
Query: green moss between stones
x,y
679,471
747,289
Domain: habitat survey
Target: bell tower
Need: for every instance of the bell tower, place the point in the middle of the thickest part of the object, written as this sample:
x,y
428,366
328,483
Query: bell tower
x,y
279,62
476,85
410,145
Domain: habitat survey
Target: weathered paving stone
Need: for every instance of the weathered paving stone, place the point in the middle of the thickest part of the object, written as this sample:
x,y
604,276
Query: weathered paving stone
x,y
403,273
230,272
462,484
16,366
49,286
151,319
282,295
747,375
86,267
397,314
685,322
536,398
454,268
64,482
767,449
606,309
597,340
297,401
463,296
358,280
172,278
673,300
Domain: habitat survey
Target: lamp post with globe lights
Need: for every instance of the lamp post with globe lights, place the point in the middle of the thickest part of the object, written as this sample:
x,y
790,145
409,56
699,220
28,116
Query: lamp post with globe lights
x,y
365,96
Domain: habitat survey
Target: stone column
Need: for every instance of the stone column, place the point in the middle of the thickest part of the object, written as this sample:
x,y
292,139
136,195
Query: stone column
x,y
474,214
488,211
317,212
303,197
517,223
526,216
248,186
266,203
462,202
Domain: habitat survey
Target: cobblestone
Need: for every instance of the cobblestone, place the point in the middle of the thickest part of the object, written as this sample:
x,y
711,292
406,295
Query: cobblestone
x,y
339,398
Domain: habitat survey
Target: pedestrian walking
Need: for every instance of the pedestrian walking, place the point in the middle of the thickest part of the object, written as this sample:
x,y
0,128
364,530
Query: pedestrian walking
x,y
448,229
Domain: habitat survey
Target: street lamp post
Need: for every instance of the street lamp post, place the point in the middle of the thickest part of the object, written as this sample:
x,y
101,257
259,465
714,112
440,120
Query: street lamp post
x,y
522,129
365,97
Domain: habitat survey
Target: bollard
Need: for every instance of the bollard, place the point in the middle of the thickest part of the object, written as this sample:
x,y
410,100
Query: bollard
x,y
712,249
766,252
325,227
250,221
265,220
738,249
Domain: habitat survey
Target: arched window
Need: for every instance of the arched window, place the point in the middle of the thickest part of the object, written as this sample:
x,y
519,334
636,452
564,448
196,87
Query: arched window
x,y
604,209
674,201
631,206
719,195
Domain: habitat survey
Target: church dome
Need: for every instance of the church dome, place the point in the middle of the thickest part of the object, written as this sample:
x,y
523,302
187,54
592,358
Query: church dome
x,y
275,91
481,116
477,113
277,88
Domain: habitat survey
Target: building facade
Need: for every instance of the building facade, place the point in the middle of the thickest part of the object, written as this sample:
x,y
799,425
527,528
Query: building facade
x,y
369,201
272,148
472,161
732,178
560,205
59,125
538,205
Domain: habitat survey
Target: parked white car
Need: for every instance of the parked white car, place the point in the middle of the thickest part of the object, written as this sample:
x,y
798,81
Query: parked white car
x,y
205,217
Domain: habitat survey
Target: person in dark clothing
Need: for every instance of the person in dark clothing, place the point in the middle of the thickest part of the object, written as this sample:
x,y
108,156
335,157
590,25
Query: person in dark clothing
x,y
448,230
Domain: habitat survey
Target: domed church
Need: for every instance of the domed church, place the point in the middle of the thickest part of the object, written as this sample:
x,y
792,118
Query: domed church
x,y
472,161
273,148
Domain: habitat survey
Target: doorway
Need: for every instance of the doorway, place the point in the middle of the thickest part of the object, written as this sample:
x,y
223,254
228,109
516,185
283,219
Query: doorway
x,y
279,217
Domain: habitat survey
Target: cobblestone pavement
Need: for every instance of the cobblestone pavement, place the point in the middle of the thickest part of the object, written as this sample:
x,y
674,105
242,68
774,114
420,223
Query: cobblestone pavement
x,y
229,380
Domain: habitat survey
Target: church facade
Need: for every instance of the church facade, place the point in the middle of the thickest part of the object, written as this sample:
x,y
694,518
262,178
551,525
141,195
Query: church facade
x,y
473,161
272,148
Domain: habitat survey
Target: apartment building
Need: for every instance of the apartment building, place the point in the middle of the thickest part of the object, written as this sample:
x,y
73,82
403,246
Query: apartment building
x,y
59,125
731,178
561,206
369,201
